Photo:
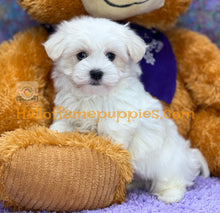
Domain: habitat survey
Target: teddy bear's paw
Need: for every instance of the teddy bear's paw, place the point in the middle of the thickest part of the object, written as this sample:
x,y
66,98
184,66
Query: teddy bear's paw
x,y
57,178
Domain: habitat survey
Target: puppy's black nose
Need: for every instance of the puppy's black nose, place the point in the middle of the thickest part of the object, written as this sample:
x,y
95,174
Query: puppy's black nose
x,y
96,74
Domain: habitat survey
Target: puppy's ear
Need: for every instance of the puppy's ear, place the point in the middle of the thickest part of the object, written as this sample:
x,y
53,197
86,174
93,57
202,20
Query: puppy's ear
x,y
135,44
54,46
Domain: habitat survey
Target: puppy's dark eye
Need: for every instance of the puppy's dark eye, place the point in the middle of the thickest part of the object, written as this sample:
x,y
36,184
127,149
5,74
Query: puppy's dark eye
x,y
110,56
81,56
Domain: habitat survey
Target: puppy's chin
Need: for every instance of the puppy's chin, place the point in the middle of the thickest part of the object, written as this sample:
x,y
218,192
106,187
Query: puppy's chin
x,y
94,89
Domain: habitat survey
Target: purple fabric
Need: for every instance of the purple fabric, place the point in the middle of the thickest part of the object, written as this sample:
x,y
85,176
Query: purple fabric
x,y
203,197
12,19
158,65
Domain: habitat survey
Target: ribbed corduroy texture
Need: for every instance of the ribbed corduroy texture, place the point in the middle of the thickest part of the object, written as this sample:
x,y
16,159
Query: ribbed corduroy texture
x,y
37,179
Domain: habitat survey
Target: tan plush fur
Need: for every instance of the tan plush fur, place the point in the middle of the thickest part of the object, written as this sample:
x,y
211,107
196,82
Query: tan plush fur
x,y
185,104
24,59
52,11
206,128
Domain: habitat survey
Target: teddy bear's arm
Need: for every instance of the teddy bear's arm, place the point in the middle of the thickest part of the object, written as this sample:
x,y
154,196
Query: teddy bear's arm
x,y
24,59
199,66
198,62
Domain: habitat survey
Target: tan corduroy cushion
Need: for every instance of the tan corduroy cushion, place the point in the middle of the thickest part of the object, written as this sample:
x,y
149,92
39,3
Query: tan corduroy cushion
x,y
72,172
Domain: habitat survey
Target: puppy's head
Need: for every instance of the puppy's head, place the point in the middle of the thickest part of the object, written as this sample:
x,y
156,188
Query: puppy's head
x,y
94,53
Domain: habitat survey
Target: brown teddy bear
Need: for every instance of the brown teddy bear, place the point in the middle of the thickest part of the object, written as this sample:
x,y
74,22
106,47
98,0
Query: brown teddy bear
x,y
40,169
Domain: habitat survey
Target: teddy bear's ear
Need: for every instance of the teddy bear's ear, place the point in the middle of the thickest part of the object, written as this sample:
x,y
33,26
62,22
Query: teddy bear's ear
x,y
135,44
55,46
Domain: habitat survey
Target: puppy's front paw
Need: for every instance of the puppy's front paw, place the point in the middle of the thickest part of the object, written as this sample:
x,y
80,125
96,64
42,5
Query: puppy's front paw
x,y
171,195
61,126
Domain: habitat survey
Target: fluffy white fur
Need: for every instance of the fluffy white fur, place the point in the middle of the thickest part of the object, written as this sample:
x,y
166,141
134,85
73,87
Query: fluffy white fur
x,y
159,153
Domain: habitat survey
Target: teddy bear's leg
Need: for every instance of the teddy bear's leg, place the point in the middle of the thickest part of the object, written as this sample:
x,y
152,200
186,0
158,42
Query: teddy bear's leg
x,y
181,110
205,135
44,170
24,59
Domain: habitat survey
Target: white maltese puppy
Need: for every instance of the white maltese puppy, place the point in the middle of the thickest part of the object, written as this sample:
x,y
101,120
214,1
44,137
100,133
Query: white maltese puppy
x,y
96,69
